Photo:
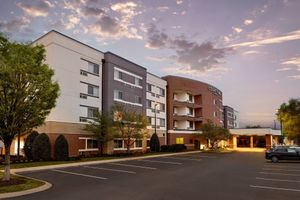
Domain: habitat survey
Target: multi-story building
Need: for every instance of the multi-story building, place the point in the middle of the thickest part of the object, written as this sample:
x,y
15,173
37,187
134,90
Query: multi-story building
x,y
124,82
78,70
156,107
231,117
190,103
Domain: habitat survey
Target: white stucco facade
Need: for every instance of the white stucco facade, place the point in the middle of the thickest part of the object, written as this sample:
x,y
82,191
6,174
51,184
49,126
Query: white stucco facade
x,y
79,78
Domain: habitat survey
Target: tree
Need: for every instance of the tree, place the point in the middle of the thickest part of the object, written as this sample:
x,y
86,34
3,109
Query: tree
x,y
61,148
128,125
28,144
41,148
289,115
27,92
214,133
101,129
154,143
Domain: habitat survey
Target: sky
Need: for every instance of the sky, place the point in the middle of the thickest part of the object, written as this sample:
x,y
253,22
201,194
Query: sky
x,y
250,50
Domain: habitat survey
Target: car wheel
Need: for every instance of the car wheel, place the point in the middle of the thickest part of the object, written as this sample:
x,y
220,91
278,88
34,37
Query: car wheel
x,y
274,159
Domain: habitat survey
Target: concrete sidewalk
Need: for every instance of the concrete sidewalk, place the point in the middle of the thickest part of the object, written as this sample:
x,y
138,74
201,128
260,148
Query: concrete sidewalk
x,y
96,162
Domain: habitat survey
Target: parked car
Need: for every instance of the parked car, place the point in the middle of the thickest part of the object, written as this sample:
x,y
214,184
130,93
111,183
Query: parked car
x,y
283,153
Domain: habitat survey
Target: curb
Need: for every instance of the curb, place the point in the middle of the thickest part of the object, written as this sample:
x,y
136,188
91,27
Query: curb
x,y
41,188
31,169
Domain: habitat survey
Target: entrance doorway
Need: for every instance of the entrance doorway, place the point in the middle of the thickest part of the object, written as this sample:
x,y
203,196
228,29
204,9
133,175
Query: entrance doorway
x,y
243,141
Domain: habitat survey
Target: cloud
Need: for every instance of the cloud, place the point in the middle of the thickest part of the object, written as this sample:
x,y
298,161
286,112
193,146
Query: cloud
x,y
14,25
296,77
248,22
191,55
127,8
250,52
237,29
163,8
92,11
37,8
178,2
283,69
295,35
294,61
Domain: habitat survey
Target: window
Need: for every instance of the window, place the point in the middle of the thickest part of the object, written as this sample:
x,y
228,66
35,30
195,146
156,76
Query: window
x,y
138,81
162,107
138,143
93,68
291,151
118,95
180,140
118,144
148,143
215,102
92,144
92,112
149,104
138,99
191,111
93,90
149,120
190,98
161,92
215,114
149,87
118,74
162,122
191,125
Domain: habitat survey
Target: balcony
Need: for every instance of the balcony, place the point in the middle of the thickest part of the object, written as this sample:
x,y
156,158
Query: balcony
x,y
187,117
187,104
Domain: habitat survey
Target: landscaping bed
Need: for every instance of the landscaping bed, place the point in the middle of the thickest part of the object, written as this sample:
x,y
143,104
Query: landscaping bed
x,y
18,183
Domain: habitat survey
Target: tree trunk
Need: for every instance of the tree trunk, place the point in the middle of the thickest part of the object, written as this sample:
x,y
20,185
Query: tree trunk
x,y
18,150
128,145
6,176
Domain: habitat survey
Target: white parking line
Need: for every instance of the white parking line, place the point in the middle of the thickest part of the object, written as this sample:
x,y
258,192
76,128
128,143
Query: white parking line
x,y
279,180
136,166
78,174
190,159
164,162
200,156
283,166
108,169
274,188
273,173
288,170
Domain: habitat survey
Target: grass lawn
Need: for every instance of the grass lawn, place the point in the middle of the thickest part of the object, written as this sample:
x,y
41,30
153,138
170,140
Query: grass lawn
x,y
18,183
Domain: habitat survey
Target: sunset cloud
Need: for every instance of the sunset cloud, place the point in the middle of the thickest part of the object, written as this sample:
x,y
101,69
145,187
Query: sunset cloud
x,y
37,8
248,22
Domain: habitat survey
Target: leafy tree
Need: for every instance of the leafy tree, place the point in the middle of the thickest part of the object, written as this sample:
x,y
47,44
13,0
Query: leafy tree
x,y
28,144
214,133
41,148
27,92
289,115
61,148
154,143
128,125
101,129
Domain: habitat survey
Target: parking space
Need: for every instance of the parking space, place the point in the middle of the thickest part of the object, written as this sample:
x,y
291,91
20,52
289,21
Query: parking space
x,y
209,175
280,180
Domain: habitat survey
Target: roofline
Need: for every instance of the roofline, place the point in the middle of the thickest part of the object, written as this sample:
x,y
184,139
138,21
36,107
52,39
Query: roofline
x,y
156,76
55,31
109,52
191,80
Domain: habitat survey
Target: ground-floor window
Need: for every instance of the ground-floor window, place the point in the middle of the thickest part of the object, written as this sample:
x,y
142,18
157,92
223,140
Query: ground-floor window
x,y
179,140
138,143
148,143
92,144
118,144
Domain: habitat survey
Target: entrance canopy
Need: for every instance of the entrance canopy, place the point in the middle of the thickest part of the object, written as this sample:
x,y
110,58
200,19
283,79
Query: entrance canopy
x,y
254,131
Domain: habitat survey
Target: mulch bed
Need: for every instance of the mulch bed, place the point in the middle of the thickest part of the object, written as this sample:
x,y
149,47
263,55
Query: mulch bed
x,y
12,181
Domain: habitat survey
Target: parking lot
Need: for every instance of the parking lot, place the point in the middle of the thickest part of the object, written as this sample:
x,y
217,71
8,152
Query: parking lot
x,y
190,176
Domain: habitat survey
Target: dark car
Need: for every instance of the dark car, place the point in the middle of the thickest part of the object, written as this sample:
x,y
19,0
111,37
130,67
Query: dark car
x,y
283,153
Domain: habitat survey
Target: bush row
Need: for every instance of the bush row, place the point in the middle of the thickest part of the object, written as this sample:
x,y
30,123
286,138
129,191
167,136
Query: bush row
x,y
38,148
173,148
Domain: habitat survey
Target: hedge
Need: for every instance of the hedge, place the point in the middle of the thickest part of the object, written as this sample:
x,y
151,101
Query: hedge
x,y
173,148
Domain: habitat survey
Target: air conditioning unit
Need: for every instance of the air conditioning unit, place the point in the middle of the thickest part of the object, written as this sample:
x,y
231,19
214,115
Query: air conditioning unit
x,y
83,96
83,73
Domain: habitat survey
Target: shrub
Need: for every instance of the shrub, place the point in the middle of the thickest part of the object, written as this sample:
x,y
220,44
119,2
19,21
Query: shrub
x,y
28,144
154,143
41,149
61,148
173,148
